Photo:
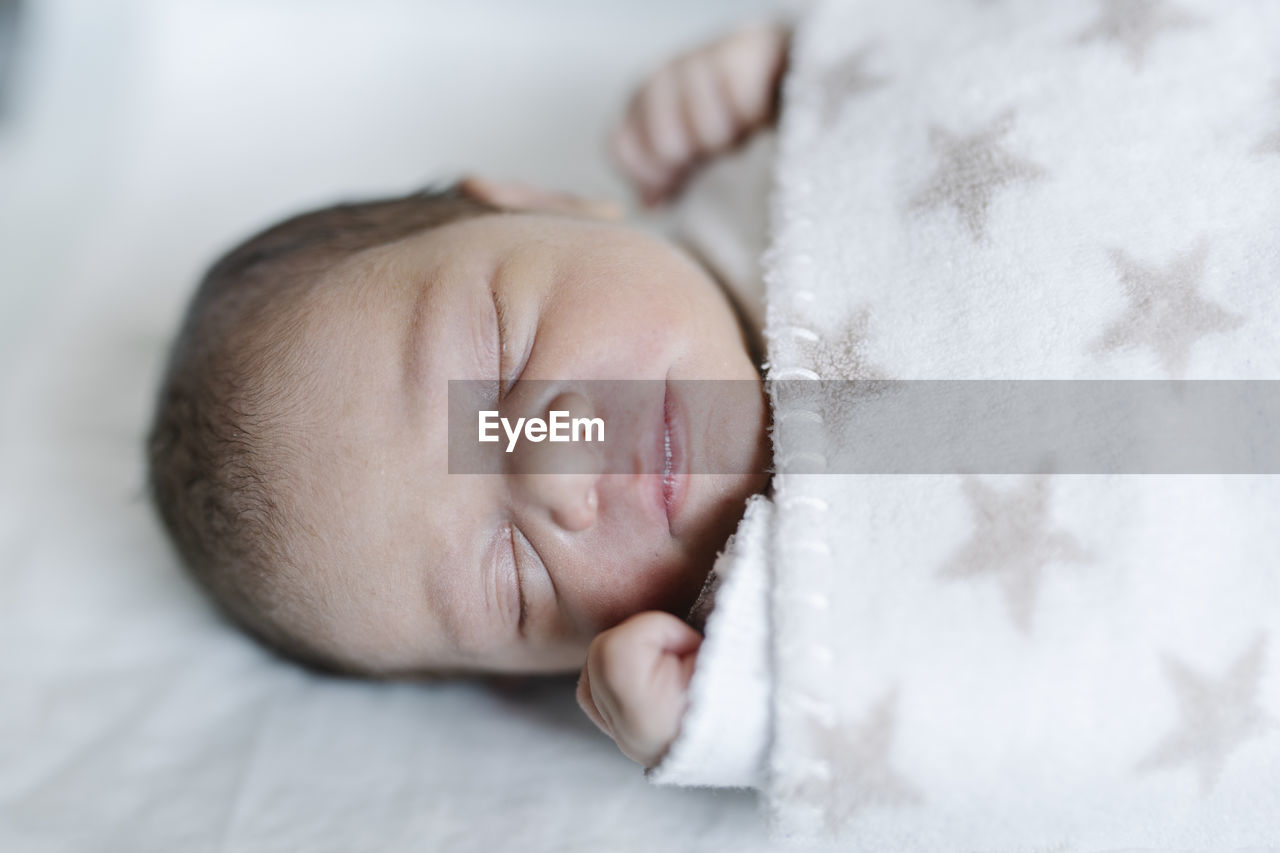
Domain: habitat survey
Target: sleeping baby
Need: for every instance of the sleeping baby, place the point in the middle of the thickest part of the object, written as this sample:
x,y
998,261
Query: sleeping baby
x,y
298,455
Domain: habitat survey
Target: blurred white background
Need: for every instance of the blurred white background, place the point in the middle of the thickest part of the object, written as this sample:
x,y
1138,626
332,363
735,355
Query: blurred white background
x,y
180,124
138,139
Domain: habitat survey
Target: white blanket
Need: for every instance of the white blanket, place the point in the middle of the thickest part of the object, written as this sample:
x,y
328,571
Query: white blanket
x,y
1011,190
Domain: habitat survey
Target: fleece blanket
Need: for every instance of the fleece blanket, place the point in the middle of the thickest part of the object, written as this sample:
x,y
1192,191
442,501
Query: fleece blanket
x,y
1041,659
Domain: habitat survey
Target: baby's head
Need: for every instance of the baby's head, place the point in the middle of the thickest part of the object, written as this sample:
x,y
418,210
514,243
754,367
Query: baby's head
x,y
298,455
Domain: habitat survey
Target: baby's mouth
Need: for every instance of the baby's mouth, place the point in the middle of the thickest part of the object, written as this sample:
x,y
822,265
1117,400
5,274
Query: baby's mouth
x,y
674,483
668,485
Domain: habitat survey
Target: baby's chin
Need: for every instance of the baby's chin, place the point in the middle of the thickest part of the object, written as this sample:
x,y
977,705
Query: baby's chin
x,y
726,507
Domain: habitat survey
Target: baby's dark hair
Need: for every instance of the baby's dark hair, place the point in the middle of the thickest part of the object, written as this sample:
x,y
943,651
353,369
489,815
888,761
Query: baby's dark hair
x,y
215,483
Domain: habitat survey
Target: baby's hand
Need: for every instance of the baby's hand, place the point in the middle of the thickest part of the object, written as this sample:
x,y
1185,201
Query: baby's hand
x,y
697,105
633,686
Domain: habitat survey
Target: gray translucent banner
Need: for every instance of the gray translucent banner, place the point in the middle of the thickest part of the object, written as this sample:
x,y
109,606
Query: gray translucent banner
x,y
870,426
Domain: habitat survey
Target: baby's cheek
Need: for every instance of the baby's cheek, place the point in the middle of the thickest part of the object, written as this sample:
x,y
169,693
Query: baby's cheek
x,y
609,591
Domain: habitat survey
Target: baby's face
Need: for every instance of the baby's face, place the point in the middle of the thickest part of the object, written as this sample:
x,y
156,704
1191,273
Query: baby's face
x,y
403,566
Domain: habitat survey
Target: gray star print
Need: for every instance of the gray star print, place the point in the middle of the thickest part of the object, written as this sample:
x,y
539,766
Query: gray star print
x,y
1165,311
1134,24
970,171
844,81
844,354
861,773
1217,715
1013,541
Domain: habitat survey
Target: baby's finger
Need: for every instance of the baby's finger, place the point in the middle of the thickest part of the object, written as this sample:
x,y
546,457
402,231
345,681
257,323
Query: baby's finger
x,y
634,162
705,105
587,702
657,688
670,633
749,66
661,121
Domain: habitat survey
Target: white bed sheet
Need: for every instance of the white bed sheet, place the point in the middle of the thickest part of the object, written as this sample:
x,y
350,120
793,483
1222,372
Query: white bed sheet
x,y
144,137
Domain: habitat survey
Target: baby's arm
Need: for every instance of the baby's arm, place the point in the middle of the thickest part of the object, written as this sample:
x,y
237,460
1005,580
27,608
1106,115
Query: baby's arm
x,y
635,682
699,104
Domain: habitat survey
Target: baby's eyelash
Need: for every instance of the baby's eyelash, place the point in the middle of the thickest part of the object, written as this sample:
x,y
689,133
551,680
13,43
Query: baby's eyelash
x,y
515,561
500,312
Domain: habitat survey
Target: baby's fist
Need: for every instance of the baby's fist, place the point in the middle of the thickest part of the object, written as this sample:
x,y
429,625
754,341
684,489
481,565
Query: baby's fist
x,y
634,683
697,105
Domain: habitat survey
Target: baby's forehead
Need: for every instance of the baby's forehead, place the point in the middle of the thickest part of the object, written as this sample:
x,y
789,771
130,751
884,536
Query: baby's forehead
x,y
408,280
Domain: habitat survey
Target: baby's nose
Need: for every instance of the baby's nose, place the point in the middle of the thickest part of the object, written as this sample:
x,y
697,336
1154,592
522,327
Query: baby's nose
x,y
561,476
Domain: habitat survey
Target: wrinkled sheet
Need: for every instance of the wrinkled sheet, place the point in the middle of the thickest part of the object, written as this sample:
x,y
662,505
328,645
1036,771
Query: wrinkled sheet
x,y
145,136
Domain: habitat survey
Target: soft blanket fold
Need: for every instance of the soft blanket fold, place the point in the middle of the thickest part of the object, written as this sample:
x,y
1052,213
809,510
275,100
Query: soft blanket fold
x,y
1014,190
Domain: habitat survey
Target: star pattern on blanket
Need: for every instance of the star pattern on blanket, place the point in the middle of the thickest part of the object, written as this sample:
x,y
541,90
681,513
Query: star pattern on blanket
x,y
843,353
971,169
1135,24
862,772
1217,716
1013,540
844,81
1166,311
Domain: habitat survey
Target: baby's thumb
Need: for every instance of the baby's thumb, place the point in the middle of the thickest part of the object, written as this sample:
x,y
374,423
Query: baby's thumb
x,y
587,703
671,634
683,642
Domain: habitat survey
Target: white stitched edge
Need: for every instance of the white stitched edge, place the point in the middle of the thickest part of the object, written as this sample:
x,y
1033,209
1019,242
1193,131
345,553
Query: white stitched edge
x,y
801,414
803,334
823,712
817,546
793,373
811,501
803,454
